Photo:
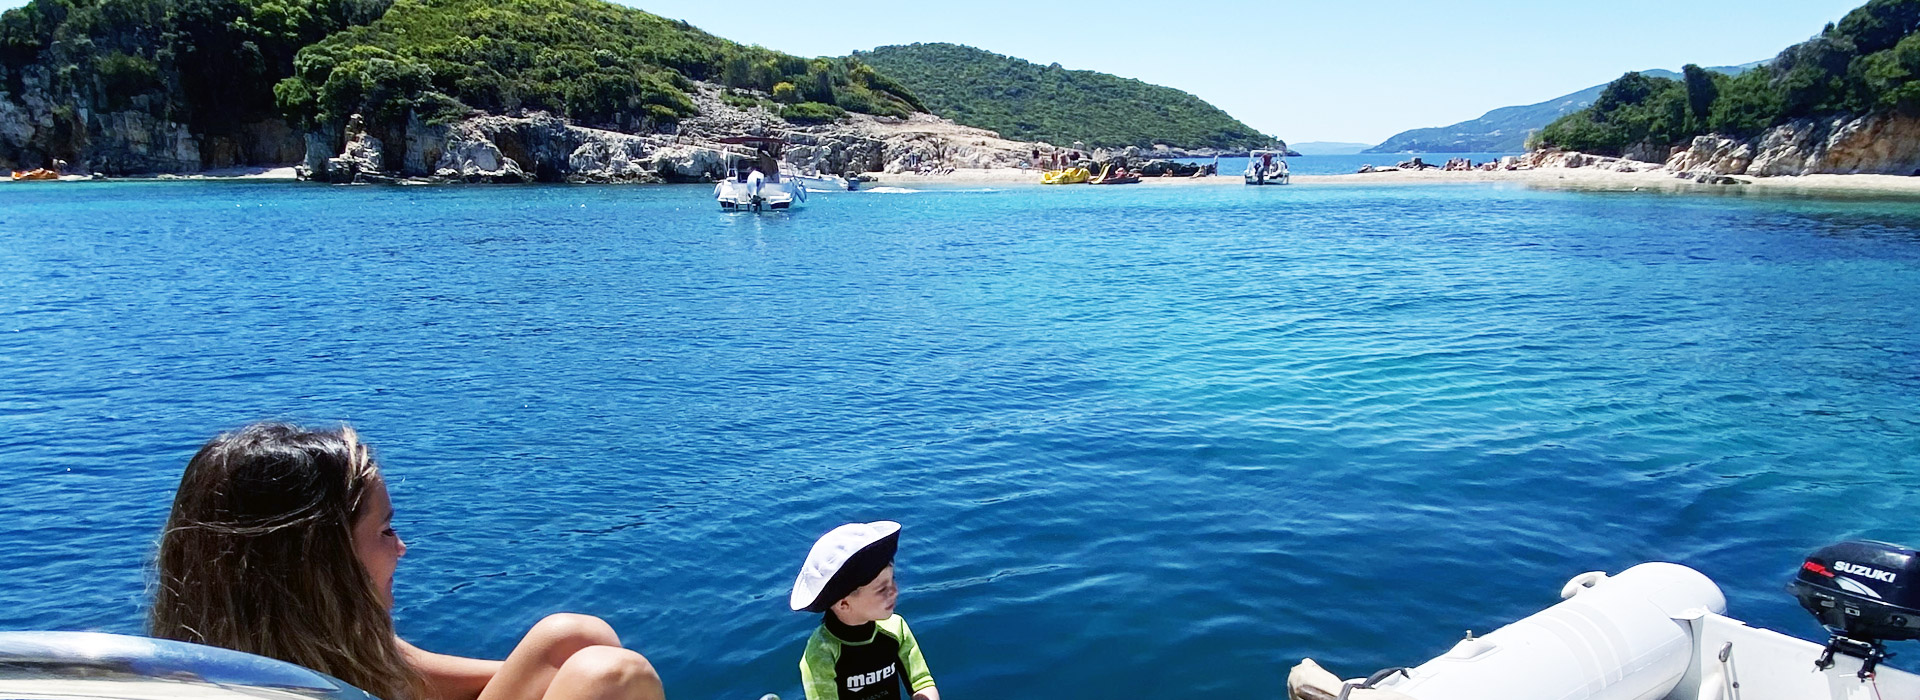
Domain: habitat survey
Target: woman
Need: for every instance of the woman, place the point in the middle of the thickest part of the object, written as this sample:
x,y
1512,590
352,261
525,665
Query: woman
x,y
281,544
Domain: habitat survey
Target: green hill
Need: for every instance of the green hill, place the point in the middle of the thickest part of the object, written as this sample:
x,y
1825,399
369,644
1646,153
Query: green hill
x,y
96,82
592,61
1506,129
1868,62
1030,102
207,64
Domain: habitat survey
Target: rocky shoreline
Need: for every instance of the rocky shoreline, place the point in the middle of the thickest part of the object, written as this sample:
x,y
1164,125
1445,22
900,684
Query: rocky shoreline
x,y
1881,144
534,146
539,147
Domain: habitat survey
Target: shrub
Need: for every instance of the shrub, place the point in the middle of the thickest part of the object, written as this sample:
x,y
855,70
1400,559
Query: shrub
x,y
811,113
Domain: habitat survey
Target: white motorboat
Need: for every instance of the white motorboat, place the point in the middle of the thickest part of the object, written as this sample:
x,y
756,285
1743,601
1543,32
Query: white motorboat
x,y
92,665
1659,631
755,183
823,183
1266,167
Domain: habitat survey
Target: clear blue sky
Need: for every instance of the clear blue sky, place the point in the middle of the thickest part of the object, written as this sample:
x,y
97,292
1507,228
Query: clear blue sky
x,y
1359,70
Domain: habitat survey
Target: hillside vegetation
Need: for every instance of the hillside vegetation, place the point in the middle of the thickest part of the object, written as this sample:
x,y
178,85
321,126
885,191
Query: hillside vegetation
x,y
209,64
1506,129
223,68
1867,62
592,61
1030,102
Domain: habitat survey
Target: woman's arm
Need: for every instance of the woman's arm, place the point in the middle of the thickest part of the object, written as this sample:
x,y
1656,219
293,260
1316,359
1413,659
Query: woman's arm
x,y
449,677
927,693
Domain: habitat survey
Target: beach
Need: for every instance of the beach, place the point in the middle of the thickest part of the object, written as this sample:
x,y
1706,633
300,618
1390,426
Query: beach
x,y
1592,179
1549,178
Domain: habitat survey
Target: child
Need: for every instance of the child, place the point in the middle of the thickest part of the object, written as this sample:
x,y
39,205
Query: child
x,y
862,651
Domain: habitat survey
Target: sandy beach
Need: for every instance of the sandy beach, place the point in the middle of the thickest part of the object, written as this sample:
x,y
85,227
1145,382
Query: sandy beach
x,y
1589,179
1549,178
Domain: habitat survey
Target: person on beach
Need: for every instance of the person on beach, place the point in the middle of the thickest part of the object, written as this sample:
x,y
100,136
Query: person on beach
x,y
862,650
281,543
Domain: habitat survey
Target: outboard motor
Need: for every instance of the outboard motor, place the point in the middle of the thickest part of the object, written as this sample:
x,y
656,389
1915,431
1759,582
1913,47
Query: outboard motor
x,y
1865,593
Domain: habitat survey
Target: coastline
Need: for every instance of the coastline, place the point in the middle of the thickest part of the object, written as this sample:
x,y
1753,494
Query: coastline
x,y
1590,179
1586,179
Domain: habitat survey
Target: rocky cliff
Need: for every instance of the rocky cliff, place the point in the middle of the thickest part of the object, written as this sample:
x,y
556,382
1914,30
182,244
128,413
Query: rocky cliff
x,y
539,147
39,123
1884,144
1881,144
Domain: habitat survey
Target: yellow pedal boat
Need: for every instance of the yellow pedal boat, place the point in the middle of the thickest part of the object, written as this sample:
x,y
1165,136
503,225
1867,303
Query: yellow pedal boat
x,y
1070,176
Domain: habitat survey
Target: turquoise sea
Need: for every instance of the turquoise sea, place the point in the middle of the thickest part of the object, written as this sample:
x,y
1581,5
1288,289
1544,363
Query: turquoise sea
x,y
1345,164
1145,442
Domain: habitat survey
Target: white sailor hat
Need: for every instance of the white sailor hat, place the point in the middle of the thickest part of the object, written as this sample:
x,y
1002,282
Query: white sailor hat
x,y
844,559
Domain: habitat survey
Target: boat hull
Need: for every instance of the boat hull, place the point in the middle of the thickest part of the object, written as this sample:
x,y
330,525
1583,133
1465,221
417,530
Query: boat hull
x,y
1656,631
759,196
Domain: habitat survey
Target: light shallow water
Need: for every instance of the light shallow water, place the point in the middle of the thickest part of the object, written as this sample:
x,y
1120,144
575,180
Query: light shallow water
x,y
1347,164
1144,441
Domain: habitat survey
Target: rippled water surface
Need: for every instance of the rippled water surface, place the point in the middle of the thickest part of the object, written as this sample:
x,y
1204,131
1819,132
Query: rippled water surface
x,y
1145,442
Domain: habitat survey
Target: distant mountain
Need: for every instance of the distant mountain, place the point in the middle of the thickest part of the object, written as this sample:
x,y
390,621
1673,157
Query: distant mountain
x,y
1505,130
1328,148
1026,101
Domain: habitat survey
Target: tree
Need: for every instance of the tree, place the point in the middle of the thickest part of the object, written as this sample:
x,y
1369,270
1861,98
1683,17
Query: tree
x,y
1701,92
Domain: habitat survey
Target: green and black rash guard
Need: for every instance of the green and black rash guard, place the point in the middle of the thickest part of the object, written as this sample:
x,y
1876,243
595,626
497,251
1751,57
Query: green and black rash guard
x,y
868,662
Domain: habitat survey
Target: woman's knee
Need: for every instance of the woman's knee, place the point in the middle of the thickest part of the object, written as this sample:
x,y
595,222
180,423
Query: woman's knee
x,y
562,635
610,667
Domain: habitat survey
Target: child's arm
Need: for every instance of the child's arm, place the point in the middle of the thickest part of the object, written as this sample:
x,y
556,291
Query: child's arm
x,y
816,671
919,679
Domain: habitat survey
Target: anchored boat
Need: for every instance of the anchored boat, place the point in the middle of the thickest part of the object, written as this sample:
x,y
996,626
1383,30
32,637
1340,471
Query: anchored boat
x,y
1659,631
754,183
1268,168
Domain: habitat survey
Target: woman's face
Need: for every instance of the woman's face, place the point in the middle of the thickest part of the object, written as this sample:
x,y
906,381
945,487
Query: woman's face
x,y
375,543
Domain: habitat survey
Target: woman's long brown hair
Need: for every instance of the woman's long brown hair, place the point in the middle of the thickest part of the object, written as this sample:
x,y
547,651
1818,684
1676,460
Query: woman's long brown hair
x,y
258,557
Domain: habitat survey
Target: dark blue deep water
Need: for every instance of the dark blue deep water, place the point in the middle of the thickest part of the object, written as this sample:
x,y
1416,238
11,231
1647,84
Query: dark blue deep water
x,y
1145,442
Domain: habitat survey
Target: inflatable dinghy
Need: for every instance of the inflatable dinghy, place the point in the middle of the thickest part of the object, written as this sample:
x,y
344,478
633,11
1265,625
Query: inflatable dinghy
x,y
1659,631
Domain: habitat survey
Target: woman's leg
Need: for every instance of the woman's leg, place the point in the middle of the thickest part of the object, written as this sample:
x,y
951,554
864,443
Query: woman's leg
x,y
606,673
566,657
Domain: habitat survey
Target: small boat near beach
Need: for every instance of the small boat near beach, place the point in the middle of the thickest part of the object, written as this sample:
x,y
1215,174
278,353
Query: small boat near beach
x,y
35,174
1265,167
1659,631
825,183
1065,176
755,183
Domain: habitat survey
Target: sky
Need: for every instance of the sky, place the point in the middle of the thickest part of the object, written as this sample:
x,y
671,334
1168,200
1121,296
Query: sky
x,y
1356,71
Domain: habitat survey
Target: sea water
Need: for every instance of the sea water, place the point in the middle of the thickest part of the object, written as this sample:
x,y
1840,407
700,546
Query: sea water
x,y
1349,164
1144,442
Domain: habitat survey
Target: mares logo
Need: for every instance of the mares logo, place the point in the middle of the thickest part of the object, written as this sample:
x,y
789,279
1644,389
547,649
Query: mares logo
x,y
855,683
1846,567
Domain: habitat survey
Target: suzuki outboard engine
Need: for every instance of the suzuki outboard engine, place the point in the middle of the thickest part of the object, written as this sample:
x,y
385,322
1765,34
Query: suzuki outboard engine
x,y
1865,593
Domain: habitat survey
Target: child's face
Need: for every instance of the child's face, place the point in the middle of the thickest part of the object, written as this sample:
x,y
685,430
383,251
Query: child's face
x,y
873,601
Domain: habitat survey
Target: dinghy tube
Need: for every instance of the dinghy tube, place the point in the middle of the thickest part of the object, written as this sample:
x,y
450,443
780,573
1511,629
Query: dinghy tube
x,y
1623,637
